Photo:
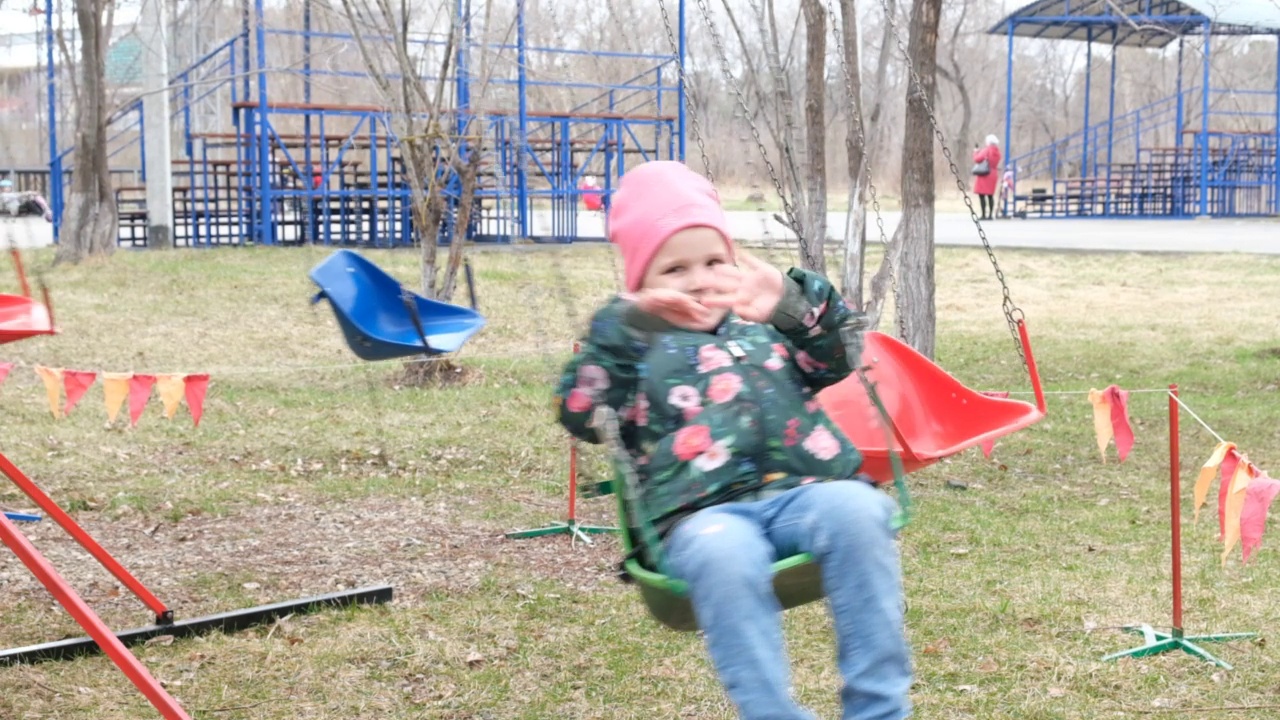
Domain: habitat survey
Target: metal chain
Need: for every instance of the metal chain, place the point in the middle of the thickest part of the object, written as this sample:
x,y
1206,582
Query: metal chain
x,y
718,42
1010,309
866,166
688,95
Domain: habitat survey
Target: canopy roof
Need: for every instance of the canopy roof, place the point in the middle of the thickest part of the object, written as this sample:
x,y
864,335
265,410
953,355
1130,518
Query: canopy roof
x,y
1140,23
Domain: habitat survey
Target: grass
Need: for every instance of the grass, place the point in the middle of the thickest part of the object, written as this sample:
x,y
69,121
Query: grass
x,y
311,472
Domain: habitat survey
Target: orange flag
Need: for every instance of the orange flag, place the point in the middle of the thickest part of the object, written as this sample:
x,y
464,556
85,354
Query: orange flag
x,y
139,393
76,383
197,386
1253,519
171,387
1205,478
1235,506
115,387
52,378
4,370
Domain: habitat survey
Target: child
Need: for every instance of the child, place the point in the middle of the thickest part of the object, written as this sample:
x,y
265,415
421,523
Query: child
x,y
712,369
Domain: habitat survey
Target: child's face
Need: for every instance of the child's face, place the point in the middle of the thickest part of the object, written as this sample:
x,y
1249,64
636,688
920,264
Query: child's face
x,y
691,261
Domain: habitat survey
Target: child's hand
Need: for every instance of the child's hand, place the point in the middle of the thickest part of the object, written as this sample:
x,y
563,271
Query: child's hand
x,y
760,288
680,309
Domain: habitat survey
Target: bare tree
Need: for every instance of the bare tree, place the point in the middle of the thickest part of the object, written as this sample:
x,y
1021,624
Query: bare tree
x,y
420,115
89,225
912,245
855,228
955,75
812,191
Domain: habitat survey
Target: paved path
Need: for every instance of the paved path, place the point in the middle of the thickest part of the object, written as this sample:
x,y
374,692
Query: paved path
x,y
1260,236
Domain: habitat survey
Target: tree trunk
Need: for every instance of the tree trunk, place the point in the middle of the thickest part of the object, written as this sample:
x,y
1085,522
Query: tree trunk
x,y
915,231
814,196
855,226
89,224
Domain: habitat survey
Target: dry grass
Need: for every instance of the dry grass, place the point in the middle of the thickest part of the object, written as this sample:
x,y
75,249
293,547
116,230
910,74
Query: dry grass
x,y
312,472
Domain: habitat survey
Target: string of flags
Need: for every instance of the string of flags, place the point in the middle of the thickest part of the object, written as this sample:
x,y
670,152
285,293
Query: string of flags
x,y
65,388
1245,493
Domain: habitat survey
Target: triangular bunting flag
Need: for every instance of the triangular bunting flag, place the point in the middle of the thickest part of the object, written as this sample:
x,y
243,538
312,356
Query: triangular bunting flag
x,y
4,370
1205,478
197,386
989,445
1235,506
1123,431
171,387
52,378
115,388
1228,471
139,393
1253,519
1102,428
76,382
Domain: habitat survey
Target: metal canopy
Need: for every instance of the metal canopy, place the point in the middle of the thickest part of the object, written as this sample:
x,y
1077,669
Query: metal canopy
x,y
1140,23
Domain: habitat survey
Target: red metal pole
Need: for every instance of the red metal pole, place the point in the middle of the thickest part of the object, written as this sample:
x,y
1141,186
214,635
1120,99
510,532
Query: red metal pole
x,y
1175,508
573,466
92,624
22,275
24,483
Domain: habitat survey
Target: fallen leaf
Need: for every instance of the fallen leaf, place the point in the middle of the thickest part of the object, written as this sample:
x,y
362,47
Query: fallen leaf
x,y
159,640
1056,692
988,666
475,659
959,551
251,586
937,646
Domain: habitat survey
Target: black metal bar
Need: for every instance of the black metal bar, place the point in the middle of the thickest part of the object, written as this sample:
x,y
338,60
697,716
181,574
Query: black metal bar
x,y
471,284
412,307
227,622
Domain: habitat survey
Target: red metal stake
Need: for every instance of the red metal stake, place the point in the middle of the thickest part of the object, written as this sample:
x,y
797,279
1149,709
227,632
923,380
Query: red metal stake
x,y
163,614
92,624
1175,507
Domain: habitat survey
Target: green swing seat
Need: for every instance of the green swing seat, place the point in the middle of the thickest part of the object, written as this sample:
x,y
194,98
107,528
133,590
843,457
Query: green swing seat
x,y
934,416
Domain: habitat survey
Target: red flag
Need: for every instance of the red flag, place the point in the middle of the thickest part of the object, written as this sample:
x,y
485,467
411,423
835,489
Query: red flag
x,y
1120,427
4,370
76,382
139,394
1253,519
989,445
197,386
1230,462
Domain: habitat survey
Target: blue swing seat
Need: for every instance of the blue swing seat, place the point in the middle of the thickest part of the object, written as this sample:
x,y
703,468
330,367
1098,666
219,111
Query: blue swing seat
x,y
377,314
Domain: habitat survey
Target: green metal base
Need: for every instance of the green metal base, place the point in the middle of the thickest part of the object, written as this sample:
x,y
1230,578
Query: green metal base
x,y
573,528
1158,642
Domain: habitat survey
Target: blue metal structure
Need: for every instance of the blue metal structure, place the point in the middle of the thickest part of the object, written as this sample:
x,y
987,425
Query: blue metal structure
x,y
288,170
1212,162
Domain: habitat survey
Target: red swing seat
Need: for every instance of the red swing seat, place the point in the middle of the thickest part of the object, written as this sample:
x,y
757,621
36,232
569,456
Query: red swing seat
x,y
933,415
21,316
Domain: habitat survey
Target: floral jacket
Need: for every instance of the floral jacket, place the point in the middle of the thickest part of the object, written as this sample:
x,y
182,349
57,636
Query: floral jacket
x,y
711,417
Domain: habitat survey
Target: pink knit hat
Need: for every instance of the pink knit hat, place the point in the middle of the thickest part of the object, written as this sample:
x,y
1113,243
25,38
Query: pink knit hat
x,y
655,201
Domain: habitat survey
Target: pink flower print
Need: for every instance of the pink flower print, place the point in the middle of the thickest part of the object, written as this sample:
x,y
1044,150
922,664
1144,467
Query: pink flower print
x,y
593,378
811,317
578,401
781,350
807,363
692,412
822,444
724,387
691,441
684,396
773,364
711,358
813,406
715,456
791,435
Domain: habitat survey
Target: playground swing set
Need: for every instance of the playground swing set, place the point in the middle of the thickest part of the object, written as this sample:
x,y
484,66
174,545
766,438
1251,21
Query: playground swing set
x,y
22,317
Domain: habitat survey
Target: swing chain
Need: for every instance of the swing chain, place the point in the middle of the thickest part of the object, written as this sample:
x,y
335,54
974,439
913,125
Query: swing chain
x,y
718,42
1007,305
688,95
856,102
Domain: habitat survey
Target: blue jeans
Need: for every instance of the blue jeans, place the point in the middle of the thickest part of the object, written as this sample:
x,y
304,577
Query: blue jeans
x,y
724,553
